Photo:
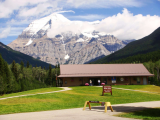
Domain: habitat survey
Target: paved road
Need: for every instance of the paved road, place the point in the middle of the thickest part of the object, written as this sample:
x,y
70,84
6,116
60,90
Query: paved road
x,y
97,113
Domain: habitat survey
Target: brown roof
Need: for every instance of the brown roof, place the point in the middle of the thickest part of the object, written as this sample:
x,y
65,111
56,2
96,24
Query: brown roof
x,y
95,70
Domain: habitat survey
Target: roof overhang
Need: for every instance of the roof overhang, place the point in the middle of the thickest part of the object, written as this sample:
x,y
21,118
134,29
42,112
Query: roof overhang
x,y
104,75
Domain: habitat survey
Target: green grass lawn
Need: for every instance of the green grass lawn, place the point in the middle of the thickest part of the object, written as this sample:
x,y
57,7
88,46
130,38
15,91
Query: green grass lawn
x,y
147,114
35,91
72,99
150,88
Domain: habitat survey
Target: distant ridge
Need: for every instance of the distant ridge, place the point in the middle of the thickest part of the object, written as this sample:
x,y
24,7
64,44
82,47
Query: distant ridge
x,y
145,45
8,54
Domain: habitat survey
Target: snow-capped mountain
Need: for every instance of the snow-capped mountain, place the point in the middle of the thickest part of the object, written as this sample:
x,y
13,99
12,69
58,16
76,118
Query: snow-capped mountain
x,y
74,43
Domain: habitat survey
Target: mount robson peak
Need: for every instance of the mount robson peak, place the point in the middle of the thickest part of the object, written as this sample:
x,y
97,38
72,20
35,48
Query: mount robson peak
x,y
67,46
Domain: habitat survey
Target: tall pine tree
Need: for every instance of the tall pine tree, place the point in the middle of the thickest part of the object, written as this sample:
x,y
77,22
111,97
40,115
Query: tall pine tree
x,y
1,66
49,77
14,70
27,64
22,66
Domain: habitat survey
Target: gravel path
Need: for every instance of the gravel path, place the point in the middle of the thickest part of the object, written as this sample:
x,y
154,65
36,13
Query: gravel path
x,y
64,89
131,90
135,90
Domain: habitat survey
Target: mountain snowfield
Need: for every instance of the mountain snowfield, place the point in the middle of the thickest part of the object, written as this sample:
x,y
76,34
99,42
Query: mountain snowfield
x,y
57,40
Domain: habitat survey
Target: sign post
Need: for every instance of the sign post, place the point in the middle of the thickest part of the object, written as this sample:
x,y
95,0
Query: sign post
x,y
107,89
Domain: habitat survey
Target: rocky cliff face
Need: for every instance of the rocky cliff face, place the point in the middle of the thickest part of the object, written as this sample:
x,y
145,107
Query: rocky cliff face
x,y
66,47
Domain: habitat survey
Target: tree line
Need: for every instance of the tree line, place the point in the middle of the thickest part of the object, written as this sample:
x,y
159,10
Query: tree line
x,y
16,77
150,60
154,68
140,58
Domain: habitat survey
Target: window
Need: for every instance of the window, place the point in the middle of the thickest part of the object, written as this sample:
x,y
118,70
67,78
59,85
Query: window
x,y
65,81
138,80
122,79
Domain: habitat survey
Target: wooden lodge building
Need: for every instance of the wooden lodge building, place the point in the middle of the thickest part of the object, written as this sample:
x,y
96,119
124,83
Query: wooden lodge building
x,y
110,74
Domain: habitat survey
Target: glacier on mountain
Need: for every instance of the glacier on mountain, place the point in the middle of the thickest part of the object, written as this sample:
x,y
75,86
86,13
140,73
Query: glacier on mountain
x,y
55,39
66,57
29,42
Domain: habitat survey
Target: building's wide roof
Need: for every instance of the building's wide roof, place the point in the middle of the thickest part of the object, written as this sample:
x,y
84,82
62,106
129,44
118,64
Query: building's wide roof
x,y
99,70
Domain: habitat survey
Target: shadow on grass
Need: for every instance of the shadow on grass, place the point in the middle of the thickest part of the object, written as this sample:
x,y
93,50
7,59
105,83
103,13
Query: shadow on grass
x,y
132,112
153,113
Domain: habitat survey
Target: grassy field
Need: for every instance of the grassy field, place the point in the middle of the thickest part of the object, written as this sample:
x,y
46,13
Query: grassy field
x,y
35,91
150,88
72,99
148,114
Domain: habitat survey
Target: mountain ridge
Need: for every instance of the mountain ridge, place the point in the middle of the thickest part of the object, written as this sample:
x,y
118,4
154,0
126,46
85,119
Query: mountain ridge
x,y
64,47
8,54
147,44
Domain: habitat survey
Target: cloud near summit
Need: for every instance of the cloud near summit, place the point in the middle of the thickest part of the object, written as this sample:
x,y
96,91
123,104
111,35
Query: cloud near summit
x,y
124,26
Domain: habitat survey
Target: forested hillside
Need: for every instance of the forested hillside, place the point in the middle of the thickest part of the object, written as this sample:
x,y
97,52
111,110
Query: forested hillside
x,y
154,68
145,45
140,58
15,77
9,55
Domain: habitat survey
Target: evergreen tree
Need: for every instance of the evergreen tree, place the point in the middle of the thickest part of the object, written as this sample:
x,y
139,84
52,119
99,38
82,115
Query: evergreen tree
x,y
14,70
49,78
7,74
27,64
58,65
1,66
22,66
4,76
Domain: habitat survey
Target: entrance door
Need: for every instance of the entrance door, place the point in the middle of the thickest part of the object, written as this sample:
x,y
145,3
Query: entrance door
x,y
105,80
94,81
144,81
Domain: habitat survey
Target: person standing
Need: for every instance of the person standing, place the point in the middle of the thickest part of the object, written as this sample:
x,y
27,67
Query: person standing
x,y
99,82
90,82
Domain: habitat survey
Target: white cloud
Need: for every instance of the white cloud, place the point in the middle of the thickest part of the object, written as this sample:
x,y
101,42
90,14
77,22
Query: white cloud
x,y
39,10
124,26
27,8
15,31
75,27
10,31
7,7
127,26
103,3
5,32
17,22
87,17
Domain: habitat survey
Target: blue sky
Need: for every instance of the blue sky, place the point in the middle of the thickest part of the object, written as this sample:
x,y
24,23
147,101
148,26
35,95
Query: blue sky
x,y
126,19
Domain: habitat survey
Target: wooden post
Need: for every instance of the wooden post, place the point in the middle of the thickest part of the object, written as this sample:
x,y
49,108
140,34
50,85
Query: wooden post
x,y
102,91
105,110
108,104
85,105
89,105
111,89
